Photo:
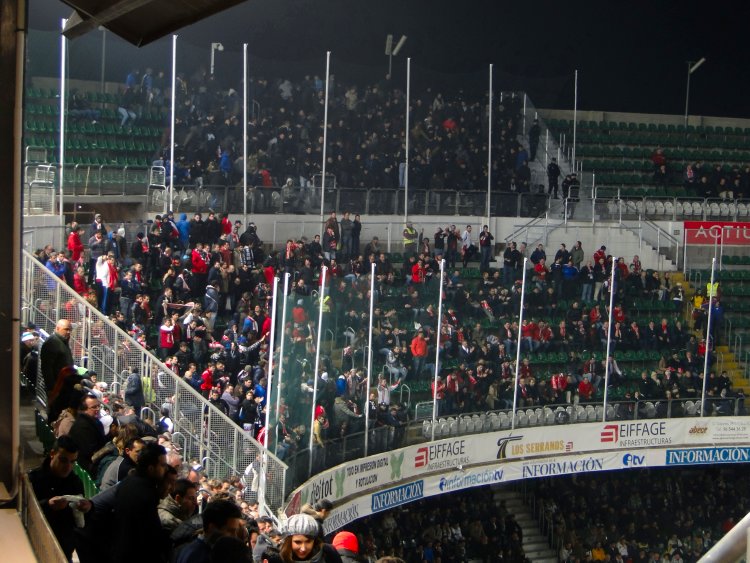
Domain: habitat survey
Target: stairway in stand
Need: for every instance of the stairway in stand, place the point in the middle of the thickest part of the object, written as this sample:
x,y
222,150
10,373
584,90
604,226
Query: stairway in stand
x,y
733,368
535,544
730,363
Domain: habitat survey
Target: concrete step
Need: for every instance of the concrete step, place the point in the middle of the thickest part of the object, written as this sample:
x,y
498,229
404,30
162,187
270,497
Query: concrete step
x,y
534,542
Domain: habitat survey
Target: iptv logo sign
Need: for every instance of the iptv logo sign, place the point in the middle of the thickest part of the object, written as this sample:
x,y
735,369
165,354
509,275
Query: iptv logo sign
x,y
610,433
632,460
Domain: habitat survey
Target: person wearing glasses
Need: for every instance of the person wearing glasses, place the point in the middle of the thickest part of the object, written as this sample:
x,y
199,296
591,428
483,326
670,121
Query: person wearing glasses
x,y
87,430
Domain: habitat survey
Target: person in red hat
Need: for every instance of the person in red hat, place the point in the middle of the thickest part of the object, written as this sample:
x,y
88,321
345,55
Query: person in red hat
x,y
347,545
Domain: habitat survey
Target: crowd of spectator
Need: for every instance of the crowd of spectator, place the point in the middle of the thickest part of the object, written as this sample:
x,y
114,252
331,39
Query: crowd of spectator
x,y
166,510
641,516
198,293
665,516
703,179
466,526
366,137
210,285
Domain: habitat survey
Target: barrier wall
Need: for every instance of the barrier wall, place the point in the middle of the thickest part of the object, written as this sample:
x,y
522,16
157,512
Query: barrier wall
x,y
380,482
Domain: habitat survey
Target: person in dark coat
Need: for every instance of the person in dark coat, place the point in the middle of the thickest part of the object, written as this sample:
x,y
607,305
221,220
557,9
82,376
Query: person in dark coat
x,y
51,482
138,533
55,353
87,430
221,518
134,392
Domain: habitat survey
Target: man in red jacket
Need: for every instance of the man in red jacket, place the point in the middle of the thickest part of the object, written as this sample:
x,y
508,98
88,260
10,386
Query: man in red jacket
x,y
199,262
207,380
419,352
75,245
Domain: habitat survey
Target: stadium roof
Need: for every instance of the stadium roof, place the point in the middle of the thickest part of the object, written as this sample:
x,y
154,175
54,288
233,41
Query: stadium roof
x,y
140,21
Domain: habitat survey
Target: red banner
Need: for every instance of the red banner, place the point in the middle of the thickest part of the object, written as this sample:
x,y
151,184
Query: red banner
x,y
717,232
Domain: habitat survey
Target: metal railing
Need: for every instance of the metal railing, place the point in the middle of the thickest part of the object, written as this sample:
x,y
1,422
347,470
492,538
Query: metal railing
x,y
384,438
43,541
373,201
618,207
207,435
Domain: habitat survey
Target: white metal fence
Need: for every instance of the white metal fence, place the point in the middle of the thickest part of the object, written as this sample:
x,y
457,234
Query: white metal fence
x,y
205,434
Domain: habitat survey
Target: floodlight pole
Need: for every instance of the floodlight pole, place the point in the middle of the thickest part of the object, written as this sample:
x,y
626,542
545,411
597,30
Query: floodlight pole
x,y
269,394
518,345
316,375
575,123
609,332
489,150
435,412
280,367
325,143
406,134
104,58
244,140
369,359
172,136
710,294
691,68
63,89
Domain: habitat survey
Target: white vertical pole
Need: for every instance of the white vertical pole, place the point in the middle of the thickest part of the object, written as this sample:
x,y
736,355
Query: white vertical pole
x,y
325,143
684,251
269,393
104,59
271,344
575,122
518,345
369,359
709,341
280,367
322,295
437,348
174,104
406,135
489,151
523,130
244,147
609,332
63,89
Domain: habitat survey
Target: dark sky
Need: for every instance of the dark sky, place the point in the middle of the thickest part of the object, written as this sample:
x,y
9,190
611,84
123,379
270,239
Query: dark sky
x,y
630,56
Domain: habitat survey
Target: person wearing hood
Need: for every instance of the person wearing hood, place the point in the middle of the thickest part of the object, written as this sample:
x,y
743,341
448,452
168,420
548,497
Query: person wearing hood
x,y
183,226
134,392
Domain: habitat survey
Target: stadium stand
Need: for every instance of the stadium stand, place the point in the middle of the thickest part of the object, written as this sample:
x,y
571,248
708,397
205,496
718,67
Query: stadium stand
x,y
658,341
642,516
93,136
624,155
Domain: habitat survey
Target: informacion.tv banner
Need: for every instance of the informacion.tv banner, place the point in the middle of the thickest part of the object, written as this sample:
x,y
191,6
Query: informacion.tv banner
x,y
456,479
710,233
381,471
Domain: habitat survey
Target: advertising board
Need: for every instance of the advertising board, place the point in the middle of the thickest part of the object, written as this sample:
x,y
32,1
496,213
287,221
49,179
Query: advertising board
x,y
713,232
494,449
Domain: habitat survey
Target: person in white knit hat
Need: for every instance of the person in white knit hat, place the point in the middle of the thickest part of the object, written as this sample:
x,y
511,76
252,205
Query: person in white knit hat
x,y
302,542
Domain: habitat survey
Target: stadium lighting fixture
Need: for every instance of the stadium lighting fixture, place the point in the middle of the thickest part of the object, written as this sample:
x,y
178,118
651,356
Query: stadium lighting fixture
x,y
392,51
215,47
692,66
